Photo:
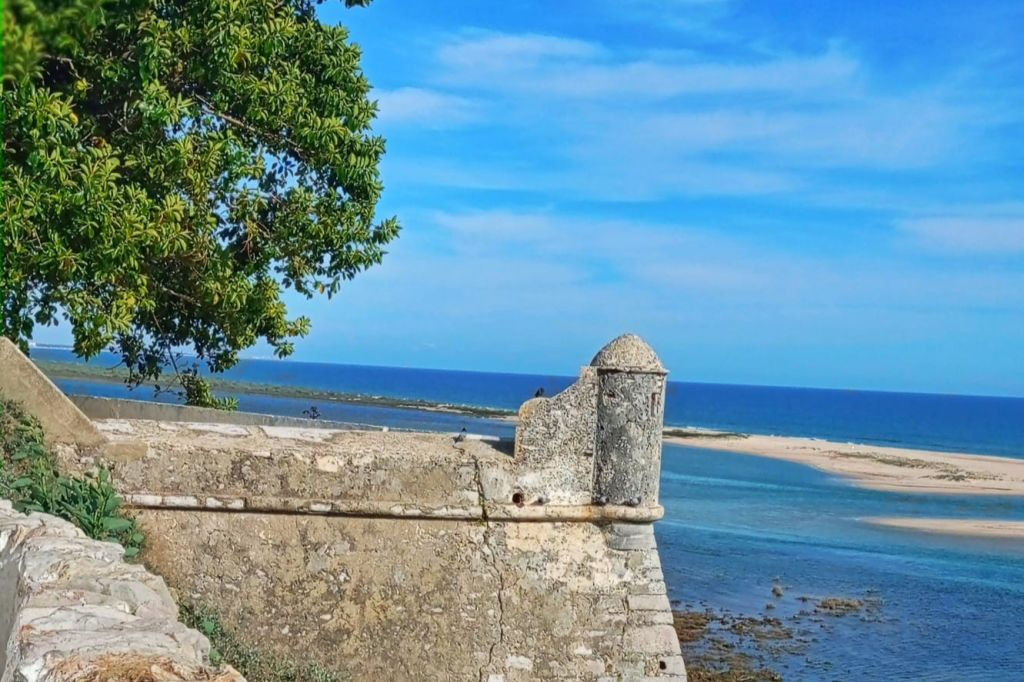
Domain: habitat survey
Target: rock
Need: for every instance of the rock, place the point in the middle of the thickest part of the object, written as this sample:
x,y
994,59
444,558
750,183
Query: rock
x,y
72,609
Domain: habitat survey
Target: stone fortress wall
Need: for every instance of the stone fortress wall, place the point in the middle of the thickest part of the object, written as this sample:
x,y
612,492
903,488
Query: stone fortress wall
x,y
414,556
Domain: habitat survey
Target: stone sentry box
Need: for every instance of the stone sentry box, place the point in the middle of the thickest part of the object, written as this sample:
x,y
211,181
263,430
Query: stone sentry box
x,y
597,443
630,417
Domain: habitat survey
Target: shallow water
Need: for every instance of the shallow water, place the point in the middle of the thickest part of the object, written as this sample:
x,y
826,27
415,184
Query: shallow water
x,y
950,607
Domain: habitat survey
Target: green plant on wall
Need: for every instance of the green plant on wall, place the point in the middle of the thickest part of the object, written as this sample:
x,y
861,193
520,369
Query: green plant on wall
x,y
252,662
172,168
29,477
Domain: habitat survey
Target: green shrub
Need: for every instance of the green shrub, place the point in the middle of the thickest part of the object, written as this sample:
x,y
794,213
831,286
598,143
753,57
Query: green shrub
x,y
197,392
254,664
29,477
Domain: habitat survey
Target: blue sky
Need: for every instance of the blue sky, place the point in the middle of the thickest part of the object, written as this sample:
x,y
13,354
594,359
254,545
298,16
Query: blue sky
x,y
791,193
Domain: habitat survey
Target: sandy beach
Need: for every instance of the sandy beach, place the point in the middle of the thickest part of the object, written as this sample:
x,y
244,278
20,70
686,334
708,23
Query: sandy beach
x,y
877,467
972,527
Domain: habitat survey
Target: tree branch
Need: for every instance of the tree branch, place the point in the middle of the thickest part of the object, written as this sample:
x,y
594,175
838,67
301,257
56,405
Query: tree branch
x,y
239,123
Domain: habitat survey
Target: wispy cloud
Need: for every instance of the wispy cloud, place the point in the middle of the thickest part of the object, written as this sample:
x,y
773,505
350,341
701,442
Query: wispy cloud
x,y
574,68
687,124
487,53
993,231
677,261
425,107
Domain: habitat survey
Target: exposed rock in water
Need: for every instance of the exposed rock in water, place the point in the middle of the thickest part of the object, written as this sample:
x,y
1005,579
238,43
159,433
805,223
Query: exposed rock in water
x,y
710,646
690,625
839,606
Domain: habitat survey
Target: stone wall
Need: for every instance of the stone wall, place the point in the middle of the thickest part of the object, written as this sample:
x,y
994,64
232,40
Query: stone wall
x,y
95,407
415,556
71,609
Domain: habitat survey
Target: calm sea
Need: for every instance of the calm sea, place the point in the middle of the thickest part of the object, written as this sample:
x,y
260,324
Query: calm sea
x,y
947,608
974,424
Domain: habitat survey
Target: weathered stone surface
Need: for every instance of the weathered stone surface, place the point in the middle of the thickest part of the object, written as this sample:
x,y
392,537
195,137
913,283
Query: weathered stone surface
x,y
22,381
71,609
628,353
554,445
420,599
630,416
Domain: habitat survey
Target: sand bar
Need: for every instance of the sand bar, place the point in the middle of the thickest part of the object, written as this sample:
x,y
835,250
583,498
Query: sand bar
x,y
877,467
973,527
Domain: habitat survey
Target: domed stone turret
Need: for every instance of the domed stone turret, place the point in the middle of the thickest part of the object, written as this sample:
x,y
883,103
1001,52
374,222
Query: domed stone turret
x,y
630,416
630,353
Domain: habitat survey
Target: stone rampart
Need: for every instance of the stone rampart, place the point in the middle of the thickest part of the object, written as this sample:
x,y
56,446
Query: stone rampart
x,y
415,556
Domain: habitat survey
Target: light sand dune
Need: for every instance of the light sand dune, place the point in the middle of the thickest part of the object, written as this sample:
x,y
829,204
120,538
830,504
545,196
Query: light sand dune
x,y
879,468
972,527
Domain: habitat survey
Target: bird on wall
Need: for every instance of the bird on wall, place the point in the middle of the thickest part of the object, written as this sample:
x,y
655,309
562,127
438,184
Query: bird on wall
x,y
461,435
539,393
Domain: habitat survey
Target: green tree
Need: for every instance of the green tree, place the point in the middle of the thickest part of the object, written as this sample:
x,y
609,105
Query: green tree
x,y
171,167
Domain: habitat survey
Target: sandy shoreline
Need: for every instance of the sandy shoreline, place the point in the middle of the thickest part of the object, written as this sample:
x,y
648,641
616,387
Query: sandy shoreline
x,y
877,467
971,527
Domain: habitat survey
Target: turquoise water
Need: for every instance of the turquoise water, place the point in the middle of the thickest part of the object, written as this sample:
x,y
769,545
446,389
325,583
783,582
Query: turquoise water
x,y
950,608
947,608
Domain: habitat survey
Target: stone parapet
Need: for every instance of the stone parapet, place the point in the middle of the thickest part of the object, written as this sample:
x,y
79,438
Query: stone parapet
x,y
340,473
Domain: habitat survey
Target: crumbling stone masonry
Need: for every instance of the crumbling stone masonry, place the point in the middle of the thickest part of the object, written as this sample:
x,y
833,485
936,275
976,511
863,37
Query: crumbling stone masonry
x,y
414,556
71,609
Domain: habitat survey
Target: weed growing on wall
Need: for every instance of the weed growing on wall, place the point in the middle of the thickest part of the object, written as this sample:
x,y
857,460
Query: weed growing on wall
x,y
248,660
30,479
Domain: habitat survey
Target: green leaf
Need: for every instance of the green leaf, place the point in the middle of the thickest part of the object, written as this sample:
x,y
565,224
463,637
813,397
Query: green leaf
x,y
113,502
116,524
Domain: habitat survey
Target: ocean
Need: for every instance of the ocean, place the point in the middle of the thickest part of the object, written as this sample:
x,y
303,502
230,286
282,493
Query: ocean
x,y
973,424
941,608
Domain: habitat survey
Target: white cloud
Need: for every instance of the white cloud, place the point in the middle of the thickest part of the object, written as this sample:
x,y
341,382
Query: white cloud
x,y
592,121
570,68
983,232
425,107
489,53
596,174
674,262
911,131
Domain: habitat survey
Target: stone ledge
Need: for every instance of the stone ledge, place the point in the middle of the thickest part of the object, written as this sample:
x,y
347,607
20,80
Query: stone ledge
x,y
495,512
72,609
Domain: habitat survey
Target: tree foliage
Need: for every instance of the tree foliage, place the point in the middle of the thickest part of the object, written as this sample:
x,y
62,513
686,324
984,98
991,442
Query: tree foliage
x,y
171,167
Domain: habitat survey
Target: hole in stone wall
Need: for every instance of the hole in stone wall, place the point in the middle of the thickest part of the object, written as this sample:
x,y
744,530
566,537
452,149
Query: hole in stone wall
x,y
663,665
517,498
